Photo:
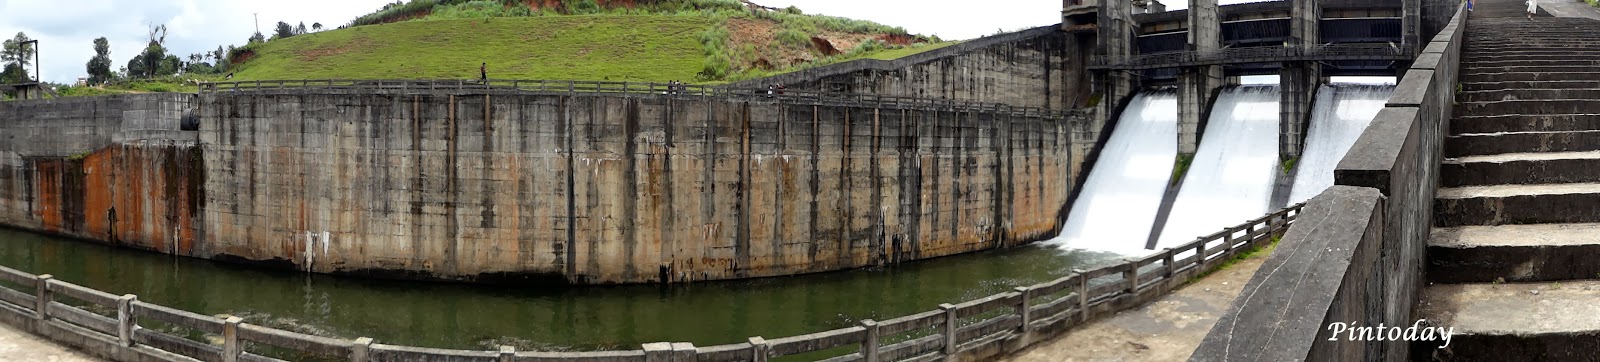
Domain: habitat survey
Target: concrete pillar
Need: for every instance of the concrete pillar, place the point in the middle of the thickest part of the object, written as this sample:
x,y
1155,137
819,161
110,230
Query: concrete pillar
x,y
359,349
1115,43
1299,80
1411,25
758,347
1197,85
125,321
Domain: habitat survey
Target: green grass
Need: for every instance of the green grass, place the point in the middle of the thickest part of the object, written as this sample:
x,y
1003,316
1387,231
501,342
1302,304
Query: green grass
x,y
591,47
903,52
1180,168
1261,251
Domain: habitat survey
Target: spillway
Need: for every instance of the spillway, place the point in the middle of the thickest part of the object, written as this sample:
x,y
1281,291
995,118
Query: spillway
x,y
1341,112
1232,175
1118,202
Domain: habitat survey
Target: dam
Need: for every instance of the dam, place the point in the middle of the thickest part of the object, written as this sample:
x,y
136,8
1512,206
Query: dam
x,y
522,184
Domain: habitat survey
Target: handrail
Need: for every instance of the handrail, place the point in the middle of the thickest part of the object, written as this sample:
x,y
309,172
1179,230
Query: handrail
x,y
577,87
1339,51
973,326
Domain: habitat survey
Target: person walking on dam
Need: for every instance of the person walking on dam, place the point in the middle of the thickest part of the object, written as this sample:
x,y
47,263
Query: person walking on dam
x,y
483,73
1533,7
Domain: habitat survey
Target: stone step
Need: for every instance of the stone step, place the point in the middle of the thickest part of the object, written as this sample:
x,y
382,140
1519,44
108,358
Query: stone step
x,y
1527,58
1545,321
1529,106
1524,123
1521,168
1504,64
1528,94
1513,85
1527,77
1517,204
1475,144
1514,253
1479,69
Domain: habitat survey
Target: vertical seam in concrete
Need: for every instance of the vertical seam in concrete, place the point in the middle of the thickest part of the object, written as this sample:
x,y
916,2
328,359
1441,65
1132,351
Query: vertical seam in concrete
x,y
708,180
846,213
667,232
914,192
814,183
452,187
572,195
877,242
630,188
742,240
418,254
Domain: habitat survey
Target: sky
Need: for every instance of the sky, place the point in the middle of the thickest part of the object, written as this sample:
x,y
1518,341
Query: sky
x,y
66,29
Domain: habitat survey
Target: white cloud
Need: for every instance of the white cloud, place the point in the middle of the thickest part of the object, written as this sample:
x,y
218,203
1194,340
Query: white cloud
x,y
66,28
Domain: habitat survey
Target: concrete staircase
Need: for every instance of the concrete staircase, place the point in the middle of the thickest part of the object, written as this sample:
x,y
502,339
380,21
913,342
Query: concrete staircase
x,y
1514,258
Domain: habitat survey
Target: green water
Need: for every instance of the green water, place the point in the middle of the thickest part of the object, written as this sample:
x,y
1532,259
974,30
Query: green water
x,y
566,318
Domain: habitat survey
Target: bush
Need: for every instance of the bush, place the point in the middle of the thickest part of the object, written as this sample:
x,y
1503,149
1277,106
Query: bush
x,y
793,38
582,7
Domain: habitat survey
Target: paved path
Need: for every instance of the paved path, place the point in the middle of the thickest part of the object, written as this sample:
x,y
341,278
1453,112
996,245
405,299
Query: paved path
x,y
22,346
1168,329
1569,9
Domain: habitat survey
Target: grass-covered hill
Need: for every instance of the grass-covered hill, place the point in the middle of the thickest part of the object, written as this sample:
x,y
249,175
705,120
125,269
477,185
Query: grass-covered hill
x,y
702,41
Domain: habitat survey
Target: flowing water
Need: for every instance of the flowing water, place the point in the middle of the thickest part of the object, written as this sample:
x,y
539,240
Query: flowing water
x,y
1341,112
1231,178
1118,203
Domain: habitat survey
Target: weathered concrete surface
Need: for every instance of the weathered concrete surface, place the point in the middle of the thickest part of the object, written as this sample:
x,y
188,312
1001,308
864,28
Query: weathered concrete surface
x,y
1522,168
1167,329
611,189
1041,67
1517,321
1518,142
1516,253
16,345
1517,204
1331,261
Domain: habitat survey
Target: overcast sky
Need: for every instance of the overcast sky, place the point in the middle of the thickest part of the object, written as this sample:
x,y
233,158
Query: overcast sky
x,y
66,28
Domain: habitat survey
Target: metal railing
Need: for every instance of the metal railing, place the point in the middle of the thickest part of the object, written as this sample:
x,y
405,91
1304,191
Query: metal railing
x,y
573,87
1266,54
74,314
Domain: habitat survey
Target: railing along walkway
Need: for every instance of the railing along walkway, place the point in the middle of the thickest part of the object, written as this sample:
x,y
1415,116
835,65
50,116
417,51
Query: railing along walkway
x,y
572,87
1267,54
113,325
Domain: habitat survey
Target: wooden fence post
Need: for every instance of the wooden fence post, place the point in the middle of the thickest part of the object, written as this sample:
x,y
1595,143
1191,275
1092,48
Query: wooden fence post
x,y
949,328
125,321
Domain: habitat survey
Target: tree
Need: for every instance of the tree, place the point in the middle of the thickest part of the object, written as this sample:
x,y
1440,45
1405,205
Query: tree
x,y
256,38
99,66
316,26
301,29
284,31
19,53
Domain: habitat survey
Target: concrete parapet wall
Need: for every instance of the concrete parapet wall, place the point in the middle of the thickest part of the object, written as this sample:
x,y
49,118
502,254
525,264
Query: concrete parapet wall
x,y
616,189
1372,275
1041,67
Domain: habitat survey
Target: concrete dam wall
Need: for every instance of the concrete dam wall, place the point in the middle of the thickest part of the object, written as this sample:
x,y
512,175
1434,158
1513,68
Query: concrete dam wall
x,y
502,186
1041,67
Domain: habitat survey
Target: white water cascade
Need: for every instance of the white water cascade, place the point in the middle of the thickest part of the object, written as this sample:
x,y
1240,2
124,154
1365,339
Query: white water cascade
x,y
1231,178
1341,112
1119,200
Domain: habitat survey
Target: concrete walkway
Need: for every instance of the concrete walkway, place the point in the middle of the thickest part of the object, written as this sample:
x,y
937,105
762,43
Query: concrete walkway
x,y
1570,9
22,346
1168,329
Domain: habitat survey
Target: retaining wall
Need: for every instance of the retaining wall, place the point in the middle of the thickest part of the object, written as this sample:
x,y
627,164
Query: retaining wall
x,y
1360,246
512,184
613,188
1041,67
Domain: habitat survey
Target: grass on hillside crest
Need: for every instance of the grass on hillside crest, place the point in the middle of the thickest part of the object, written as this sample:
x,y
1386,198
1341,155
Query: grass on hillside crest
x,y
590,47
697,41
